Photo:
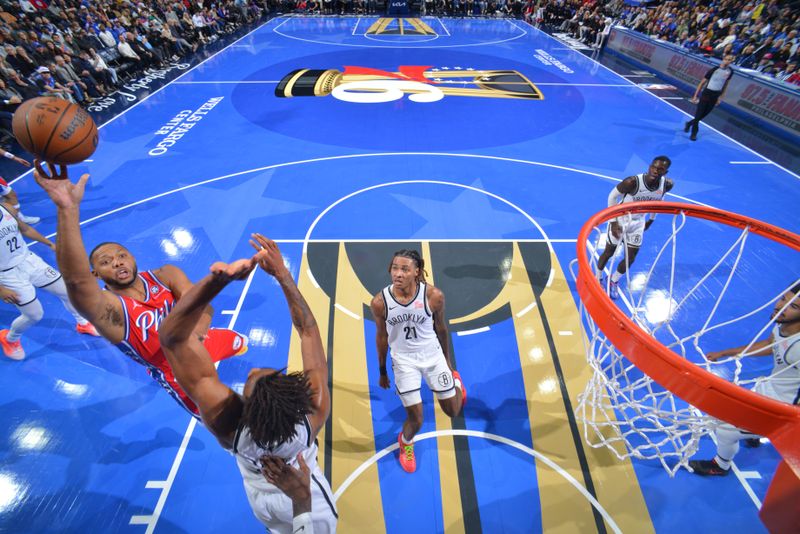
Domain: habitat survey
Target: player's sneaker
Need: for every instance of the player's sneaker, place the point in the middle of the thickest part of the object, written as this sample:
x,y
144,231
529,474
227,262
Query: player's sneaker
x,y
12,349
407,459
29,220
88,329
613,290
707,468
752,443
460,385
244,341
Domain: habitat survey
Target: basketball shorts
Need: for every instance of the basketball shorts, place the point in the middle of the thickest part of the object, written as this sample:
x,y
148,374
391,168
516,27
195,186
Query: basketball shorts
x,y
632,232
410,368
25,278
274,508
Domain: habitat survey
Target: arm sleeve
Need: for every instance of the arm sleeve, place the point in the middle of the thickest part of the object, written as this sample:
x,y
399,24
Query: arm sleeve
x,y
615,197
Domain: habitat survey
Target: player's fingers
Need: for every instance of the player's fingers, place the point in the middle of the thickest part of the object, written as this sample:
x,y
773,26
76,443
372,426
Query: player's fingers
x,y
302,463
52,169
82,181
40,172
261,240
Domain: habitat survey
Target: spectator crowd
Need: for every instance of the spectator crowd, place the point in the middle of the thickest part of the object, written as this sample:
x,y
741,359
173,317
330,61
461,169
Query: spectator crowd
x,y
83,50
762,35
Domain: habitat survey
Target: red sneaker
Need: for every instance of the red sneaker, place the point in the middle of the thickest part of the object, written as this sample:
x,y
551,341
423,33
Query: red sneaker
x,y
12,349
460,385
88,329
407,459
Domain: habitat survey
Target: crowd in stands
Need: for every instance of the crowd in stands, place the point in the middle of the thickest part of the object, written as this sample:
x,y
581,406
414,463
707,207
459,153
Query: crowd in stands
x,y
762,35
83,50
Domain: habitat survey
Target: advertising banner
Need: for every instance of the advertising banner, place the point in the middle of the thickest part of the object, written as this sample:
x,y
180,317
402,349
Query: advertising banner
x,y
772,102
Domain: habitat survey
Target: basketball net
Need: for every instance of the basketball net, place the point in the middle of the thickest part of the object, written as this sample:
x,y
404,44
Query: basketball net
x,y
648,349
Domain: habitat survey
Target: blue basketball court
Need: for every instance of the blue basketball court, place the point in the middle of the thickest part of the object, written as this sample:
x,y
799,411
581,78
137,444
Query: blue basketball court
x,y
486,146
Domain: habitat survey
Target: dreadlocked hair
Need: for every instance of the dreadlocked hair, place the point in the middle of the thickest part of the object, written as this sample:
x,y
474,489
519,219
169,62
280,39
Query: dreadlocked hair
x,y
278,403
416,258
795,289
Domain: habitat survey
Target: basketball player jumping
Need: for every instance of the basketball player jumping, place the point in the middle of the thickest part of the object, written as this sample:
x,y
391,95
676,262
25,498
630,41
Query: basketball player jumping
x,y
648,186
278,415
130,310
409,317
783,383
21,273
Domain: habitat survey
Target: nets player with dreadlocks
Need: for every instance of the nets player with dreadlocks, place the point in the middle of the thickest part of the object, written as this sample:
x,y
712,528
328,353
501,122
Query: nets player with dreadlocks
x,y
278,415
409,316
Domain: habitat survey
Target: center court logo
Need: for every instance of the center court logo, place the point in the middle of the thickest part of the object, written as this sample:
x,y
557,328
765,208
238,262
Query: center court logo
x,y
423,84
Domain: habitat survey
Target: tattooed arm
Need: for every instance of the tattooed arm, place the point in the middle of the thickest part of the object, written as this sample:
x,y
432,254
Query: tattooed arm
x,y
314,363
101,308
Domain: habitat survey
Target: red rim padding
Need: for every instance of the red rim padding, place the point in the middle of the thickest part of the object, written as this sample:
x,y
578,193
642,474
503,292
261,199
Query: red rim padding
x,y
780,422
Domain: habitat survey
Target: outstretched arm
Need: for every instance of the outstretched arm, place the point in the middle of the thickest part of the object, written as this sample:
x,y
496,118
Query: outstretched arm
x,y
101,308
759,348
220,408
315,365
177,281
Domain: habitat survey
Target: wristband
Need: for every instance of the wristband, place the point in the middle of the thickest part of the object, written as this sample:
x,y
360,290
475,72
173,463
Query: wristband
x,y
383,370
9,155
302,523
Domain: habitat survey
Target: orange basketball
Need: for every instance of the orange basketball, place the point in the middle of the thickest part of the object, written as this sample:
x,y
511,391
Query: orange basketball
x,y
55,130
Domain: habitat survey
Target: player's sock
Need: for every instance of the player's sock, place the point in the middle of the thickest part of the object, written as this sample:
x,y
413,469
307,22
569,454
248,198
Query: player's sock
x,y
722,462
406,441
615,276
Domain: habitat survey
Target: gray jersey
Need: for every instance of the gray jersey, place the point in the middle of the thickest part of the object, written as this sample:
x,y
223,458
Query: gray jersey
x,y
786,356
270,505
410,326
13,248
642,193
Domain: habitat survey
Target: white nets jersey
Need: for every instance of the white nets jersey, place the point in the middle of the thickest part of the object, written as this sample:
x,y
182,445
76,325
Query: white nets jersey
x,y
785,376
270,505
13,249
643,193
410,326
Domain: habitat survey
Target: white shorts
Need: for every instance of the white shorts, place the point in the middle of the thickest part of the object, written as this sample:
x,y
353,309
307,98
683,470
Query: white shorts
x,y
274,508
632,232
409,370
23,279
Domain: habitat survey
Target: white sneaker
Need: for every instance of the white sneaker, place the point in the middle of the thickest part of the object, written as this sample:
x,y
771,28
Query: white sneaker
x,y
29,220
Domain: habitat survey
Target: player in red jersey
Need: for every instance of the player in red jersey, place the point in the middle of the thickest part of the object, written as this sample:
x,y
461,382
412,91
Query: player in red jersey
x,y
130,310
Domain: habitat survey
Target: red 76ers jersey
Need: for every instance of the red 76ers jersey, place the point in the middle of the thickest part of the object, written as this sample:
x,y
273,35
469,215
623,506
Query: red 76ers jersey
x,y
141,343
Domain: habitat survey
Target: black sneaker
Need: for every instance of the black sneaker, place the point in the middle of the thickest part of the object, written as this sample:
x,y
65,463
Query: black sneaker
x,y
752,443
707,468
693,137
687,126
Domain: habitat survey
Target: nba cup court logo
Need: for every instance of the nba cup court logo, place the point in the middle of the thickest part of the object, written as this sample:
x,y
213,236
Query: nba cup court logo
x,y
423,84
